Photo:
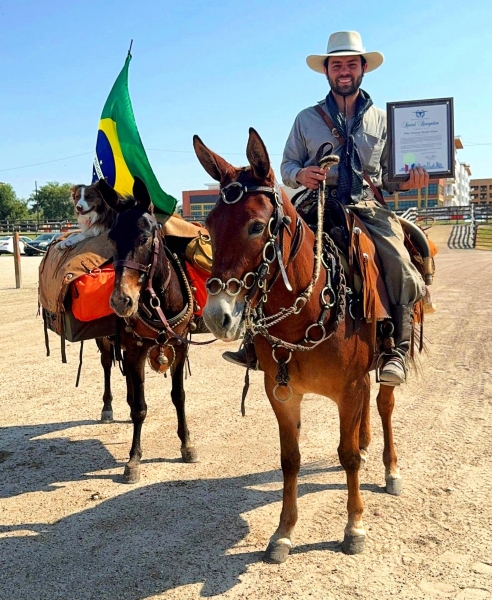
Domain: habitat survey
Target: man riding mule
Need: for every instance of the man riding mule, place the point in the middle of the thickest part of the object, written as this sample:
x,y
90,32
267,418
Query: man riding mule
x,y
357,130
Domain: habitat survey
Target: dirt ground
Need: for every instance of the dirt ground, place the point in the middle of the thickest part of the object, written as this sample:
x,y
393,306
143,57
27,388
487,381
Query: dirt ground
x,y
70,528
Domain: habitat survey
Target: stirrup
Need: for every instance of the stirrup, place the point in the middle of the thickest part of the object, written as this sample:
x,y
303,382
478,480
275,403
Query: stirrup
x,y
393,370
241,359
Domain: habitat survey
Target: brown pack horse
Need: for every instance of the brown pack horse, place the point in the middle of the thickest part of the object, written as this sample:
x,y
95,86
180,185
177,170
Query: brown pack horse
x,y
264,276
155,303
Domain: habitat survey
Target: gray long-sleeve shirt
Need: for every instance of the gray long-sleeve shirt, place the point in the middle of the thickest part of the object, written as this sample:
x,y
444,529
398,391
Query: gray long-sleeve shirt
x,y
310,131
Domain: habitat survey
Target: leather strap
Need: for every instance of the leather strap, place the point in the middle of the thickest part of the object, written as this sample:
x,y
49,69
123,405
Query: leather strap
x,y
376,191
330,124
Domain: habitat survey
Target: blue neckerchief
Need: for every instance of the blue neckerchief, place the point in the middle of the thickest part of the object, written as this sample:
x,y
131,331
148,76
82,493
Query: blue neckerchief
x,y
350,169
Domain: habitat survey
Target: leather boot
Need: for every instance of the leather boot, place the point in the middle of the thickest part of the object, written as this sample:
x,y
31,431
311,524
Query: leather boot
x,y
393,371
244,357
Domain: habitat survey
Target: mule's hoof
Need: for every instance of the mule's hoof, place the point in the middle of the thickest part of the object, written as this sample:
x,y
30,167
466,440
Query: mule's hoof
x,y
106,416
394,486
190,455
131,474
277,551
353,544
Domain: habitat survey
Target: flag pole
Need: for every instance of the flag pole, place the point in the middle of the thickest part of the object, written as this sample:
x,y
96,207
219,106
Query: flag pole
x,y
130,48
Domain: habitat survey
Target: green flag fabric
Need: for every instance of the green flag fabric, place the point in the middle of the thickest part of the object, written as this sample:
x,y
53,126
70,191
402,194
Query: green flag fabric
x,y
120,155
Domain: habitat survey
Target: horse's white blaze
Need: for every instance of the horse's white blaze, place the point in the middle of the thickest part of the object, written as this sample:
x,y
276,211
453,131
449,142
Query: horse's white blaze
x,y
222,315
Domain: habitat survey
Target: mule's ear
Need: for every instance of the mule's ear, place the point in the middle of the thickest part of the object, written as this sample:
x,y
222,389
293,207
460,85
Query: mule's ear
x,y
215,166
257,155
141,194
109,195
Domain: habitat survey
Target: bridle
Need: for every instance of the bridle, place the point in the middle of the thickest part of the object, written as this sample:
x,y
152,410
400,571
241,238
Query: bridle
x,y
148,270
154,300
256,280
326,254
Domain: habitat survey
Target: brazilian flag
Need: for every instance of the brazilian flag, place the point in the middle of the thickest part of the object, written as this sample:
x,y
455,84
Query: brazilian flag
x,y
120,155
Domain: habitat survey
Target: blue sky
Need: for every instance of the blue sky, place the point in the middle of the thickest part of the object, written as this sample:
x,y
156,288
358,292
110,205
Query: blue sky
x,y
215,69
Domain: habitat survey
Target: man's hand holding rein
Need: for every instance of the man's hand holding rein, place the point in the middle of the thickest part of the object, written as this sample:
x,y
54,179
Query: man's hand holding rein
x,y
310,177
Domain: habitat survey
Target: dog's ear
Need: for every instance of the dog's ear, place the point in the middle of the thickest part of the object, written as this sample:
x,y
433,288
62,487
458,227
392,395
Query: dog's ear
x,y
73,190
142,196
109,195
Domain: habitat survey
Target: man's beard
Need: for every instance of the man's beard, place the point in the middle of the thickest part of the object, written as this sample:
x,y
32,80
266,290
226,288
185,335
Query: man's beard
x,y
346,90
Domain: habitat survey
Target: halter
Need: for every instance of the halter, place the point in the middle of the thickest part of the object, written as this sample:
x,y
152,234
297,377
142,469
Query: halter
x,y
148,270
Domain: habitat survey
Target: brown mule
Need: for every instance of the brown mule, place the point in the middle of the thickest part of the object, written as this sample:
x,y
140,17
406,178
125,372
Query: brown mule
x,y
267,275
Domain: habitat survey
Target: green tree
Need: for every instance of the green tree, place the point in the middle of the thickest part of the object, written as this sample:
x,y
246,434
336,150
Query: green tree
x,y
11,207
54,201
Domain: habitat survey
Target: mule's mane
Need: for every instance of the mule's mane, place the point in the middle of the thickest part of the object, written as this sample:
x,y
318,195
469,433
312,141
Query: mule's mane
x,y
241,171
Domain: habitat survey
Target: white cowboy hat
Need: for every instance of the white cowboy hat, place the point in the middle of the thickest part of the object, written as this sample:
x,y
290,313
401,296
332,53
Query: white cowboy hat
x,y
345,43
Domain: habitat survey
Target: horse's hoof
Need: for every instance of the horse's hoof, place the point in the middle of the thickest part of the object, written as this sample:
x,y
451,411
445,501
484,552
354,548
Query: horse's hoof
x,y
353,544
394,486
277,551
190,455
131,474
364,456
106,416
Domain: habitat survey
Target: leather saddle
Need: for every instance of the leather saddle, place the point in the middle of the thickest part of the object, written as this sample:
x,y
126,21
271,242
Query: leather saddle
x,y
359,256
363,267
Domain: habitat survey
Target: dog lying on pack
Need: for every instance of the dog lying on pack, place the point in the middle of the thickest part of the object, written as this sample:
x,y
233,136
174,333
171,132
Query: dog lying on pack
x,y
94,216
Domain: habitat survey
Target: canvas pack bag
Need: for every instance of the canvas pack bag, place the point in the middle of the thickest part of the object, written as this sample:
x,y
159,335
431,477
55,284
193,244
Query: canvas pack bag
x,y
91,294
59,270
199,252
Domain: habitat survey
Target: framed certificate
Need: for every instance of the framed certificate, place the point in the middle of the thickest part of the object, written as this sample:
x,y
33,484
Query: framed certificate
x,y
420,134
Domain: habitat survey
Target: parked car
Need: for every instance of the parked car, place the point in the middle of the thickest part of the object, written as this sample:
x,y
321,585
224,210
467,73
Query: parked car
x,y
7,244
40,244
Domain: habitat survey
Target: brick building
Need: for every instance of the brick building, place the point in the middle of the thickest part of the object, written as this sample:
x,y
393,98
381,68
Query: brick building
x,y
198,203
481,191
